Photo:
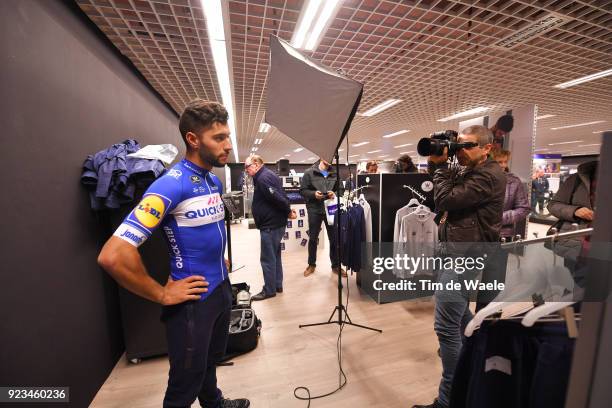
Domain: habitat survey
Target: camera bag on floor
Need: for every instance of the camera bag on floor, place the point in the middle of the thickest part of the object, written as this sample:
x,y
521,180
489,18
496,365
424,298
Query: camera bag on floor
x,y
244,327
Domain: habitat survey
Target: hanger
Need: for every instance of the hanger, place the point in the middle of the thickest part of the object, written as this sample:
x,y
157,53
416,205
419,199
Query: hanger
x,y
413,202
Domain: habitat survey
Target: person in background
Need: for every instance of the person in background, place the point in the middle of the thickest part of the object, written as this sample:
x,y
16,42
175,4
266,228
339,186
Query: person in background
x,y
372,167
516,204
270,209
405,165
574,203
500,130
539,188
318,184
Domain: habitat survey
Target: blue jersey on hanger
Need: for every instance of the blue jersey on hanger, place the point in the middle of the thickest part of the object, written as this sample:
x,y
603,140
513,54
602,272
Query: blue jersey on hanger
x,y
186,203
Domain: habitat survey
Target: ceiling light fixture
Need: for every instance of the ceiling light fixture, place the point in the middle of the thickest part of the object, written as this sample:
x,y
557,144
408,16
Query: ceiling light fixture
x,y
601,131
299,149
375,151
353,155
545,117
592,144
579,124
584,79
562,143
383,155
381,107
258,141
399,132
254,149
264,127
470,112
313,22
311,158
403,145
216,35
287,155
360,144
412,151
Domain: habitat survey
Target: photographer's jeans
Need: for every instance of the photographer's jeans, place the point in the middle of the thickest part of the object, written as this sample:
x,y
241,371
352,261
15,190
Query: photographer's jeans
x,y
452,314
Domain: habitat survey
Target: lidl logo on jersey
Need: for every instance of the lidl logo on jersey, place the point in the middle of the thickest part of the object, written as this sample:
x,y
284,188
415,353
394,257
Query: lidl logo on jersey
x,y
150,211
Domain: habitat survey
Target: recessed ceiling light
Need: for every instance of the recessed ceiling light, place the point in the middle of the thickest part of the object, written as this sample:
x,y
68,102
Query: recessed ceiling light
x,y
311,158
584,79
399,132
601,131
254,149
360,144
579,124
545,117
258,141
381,107
383,155
299,149
287,155
403,145
541,150
375,151
263,127
340,150
470,112
562,143
216,35
353,155
592,144
411,151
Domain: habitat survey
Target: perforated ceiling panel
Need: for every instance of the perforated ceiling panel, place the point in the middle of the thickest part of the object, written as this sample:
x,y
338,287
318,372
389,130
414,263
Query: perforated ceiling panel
x,y
439,57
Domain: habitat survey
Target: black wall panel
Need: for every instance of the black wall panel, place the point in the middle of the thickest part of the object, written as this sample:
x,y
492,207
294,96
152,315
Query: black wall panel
x,y
65,94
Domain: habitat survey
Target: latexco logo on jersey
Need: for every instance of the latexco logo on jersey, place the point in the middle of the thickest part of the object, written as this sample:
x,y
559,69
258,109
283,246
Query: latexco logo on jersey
x,y
195,179
150,211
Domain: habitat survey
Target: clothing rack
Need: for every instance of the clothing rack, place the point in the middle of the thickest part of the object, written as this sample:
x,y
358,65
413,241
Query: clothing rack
x,y
352,192
553,237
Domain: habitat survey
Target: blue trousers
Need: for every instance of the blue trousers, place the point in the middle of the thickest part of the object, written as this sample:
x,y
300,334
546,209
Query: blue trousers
x,y
197,337
452,314
270,258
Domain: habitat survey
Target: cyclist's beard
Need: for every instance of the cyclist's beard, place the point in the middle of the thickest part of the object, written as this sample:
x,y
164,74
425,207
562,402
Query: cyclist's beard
x,y
207,157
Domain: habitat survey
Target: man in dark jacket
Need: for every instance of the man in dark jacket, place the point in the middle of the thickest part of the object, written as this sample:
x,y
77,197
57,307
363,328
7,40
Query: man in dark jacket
x,y
471,201
574,203
539,188
516,204
270,210
318,184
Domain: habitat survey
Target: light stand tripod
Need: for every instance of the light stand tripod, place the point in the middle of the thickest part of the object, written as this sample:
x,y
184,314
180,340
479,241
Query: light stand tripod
x,y
343,317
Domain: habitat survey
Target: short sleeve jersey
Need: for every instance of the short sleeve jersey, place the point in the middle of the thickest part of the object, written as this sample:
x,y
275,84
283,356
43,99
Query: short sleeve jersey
x,y
186,203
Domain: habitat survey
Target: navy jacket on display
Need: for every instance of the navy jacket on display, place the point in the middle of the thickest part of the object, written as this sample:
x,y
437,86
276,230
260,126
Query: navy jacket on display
x,y
270,205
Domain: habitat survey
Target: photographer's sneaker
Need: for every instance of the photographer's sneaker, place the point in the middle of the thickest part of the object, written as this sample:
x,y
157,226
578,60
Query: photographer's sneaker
x,y
236,403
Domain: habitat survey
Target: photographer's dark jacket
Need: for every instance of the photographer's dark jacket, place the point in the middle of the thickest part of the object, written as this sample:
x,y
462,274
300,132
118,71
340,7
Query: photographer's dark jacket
x,y
270,205
473,199
312,181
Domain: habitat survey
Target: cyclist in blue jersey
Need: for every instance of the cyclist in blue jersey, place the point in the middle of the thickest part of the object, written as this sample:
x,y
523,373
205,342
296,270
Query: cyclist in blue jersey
x,y
186,203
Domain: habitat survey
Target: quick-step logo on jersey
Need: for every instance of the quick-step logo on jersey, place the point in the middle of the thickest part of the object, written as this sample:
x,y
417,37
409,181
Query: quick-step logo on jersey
x,y
201,210
174,247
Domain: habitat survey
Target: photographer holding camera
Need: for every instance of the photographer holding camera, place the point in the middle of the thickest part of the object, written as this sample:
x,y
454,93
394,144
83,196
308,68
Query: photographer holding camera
x,y
469,200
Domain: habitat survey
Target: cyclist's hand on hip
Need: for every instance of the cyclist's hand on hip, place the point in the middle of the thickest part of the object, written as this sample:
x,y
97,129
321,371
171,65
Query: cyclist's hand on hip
x,y
182,290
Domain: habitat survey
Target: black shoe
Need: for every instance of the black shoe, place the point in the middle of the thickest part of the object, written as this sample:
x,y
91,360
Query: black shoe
x,y
434,404
236,403
262,296
279,290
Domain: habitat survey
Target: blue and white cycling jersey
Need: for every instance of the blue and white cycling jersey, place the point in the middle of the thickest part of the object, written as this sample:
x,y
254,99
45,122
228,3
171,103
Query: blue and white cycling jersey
x,y
186,202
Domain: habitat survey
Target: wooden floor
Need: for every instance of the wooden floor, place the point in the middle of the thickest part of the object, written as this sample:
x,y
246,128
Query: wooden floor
x,y
397,368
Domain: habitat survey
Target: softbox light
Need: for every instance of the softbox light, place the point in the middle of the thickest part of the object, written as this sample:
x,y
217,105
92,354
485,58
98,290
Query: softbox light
x,y
309,102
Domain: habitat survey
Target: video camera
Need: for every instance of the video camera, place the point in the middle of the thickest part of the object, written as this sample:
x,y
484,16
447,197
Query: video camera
x,y
437,141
